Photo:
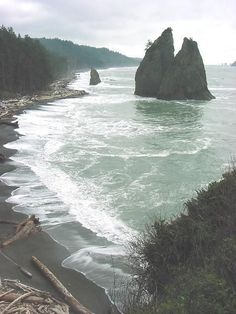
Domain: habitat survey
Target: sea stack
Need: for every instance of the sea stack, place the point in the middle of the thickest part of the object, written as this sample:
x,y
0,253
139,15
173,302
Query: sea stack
x,y
186,77
94,77
159,56
169,78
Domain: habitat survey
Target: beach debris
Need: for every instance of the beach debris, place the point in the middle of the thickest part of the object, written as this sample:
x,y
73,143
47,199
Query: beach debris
x,y
22,269
74,304
23,230
57,90
16,297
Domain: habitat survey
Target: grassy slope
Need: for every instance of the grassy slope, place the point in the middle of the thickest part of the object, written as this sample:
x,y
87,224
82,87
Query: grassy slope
x,y
189,264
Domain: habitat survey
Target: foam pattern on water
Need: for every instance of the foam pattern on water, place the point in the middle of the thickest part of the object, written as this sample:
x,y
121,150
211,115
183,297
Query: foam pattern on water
x,y
112,161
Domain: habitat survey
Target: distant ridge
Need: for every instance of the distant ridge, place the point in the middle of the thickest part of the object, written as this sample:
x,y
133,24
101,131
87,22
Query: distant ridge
x,y
84,57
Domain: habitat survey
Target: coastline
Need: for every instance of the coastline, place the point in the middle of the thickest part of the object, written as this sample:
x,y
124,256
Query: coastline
x,y
41,244
57,90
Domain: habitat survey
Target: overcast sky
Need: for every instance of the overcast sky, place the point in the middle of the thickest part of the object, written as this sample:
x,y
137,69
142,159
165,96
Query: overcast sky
x,y
126,25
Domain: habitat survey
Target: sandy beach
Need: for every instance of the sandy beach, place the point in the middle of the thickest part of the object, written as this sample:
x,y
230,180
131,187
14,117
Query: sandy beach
x,y
41,244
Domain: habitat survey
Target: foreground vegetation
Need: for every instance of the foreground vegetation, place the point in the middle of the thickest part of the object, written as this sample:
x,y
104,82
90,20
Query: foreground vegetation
x,y
188,265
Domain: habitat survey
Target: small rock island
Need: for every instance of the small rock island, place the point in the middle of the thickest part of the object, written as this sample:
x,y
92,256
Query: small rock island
x,y
94,77
165,76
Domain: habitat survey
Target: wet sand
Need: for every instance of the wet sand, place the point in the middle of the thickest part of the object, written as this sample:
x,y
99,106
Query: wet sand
x,y
42,246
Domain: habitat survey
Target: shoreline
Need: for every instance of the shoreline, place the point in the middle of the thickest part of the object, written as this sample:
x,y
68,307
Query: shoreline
x,y
41,244
56,91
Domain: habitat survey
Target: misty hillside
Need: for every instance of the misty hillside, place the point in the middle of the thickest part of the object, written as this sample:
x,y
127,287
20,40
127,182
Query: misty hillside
x,y
82,57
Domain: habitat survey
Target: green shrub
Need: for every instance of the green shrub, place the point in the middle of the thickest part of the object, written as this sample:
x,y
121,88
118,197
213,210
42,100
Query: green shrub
x,y
200,292
188,265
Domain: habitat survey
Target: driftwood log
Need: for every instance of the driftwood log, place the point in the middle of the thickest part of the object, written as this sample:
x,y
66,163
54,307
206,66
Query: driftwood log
x,y
24,229
17,300
10,297
75,305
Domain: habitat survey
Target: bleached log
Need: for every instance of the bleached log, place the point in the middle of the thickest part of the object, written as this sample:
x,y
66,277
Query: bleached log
x,y
26,221
23,230
75,305
10,297
20,298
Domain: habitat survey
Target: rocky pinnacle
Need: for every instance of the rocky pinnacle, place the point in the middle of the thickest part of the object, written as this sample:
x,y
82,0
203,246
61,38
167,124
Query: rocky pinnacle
x,y
164,76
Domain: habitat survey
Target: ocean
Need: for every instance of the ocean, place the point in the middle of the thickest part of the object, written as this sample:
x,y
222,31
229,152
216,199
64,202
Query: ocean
x,y
97,170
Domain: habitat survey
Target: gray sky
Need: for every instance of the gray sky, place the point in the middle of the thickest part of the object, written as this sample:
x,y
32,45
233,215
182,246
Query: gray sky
x,y
126,25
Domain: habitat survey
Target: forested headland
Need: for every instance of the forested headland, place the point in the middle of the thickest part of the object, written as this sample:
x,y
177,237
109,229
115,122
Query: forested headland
x,y
85,57
25,65
29,65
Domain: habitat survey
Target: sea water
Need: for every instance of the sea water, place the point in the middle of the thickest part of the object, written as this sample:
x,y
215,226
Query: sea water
x,y
97,169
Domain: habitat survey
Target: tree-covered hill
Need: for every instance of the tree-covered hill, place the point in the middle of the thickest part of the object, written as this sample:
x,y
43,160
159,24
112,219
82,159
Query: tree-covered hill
x,y
28,65
234,64
84,57
25,65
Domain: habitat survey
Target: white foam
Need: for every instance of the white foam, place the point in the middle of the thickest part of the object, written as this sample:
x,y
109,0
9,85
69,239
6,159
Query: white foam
x,y
113,128
83,199
32,197
223,88
200,144
91,125
52,146
98,263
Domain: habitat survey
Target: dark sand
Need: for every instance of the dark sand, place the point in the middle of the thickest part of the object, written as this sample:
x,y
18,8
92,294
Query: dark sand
x,y
43,247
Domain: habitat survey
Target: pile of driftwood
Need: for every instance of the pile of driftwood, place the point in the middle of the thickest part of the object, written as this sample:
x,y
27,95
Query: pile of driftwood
x,y
18,298
74,304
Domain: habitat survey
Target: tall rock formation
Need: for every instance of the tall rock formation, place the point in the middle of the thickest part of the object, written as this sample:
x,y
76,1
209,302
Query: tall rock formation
x,y
156,61
186,77
94,77
164,76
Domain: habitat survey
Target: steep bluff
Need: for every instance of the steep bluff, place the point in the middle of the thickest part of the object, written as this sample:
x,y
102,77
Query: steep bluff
x,y
154,64
165,76
186,77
